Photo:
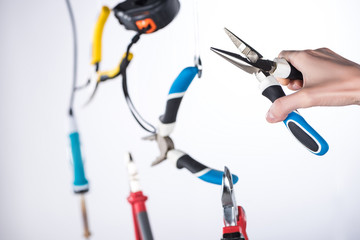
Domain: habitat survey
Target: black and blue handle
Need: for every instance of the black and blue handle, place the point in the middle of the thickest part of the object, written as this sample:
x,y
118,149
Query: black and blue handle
x,y
297,125
183,160
176,94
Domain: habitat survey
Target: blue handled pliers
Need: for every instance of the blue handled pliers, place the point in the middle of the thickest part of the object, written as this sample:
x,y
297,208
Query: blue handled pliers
x,y
166,126
266,71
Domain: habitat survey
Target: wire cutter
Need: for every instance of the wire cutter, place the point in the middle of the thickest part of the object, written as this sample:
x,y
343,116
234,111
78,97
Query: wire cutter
x,y
265,71
234,215
166,126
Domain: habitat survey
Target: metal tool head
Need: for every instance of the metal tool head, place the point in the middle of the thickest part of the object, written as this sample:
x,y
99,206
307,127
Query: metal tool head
x,y
231,213
236,60
198,65
249,52
165,144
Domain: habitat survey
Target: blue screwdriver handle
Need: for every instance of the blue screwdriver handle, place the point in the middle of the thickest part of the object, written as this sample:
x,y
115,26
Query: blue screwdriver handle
x,y
297,125
80,184
183,160
176,94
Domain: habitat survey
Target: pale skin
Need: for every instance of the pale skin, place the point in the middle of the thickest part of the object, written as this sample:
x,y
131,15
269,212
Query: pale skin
x,y
329,80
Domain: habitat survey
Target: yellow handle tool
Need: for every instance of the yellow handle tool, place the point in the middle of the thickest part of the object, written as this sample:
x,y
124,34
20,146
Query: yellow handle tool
x,y
97,37
110,74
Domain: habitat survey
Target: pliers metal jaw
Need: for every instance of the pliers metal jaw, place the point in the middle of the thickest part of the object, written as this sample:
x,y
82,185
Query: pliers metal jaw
x,y
166,126
231,213
266,72
165,144
234,215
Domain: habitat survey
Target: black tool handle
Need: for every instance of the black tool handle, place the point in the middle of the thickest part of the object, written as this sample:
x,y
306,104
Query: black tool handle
x,y
232,236
176,93
201,171
294,73
144,225
285,69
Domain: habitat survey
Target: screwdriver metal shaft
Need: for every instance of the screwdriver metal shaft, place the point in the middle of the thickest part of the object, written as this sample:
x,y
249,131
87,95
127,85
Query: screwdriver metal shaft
x,y
84,216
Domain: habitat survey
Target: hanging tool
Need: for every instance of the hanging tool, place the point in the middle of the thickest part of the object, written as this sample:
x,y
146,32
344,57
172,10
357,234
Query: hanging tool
x,y
80,184
153,14
166,126
197,58
234,215
266,71
137,200
143,16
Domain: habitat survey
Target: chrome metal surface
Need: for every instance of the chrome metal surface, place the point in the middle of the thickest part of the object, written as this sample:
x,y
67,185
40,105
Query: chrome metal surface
x,y
230,207
236,62
245,49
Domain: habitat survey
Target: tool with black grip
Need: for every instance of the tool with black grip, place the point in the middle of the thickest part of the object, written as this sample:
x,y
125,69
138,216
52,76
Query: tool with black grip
x,y
266,71
153,14
234,215
137,200
166,126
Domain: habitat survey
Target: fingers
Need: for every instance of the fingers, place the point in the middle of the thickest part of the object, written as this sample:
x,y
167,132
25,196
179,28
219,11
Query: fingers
x,y
281,108
289,55
283,81
291,84
295,85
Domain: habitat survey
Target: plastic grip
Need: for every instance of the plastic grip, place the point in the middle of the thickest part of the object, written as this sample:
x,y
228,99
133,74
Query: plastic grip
x,y
305,134
298,126
80,181
144,225
294,73
284,69
183,81
201,171
176,93
97,37
215,177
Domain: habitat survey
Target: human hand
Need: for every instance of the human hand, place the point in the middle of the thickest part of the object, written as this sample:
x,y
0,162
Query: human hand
x,y
329,80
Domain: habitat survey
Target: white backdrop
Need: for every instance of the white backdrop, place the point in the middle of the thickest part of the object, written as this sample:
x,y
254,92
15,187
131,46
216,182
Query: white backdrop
x,y
287,192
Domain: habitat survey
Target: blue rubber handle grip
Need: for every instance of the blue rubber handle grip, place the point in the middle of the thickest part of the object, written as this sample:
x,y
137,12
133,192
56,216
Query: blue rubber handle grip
x,y
176,93
183,81
297,125
201,171
306,134
215,177
80,182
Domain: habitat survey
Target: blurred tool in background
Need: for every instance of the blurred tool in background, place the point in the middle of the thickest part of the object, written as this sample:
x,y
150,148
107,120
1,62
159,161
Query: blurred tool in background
x,y
137,200
80,184
234,215
166,126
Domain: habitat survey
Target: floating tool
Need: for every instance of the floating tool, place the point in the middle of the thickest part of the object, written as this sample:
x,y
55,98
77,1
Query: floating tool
x,y
234,215
166,126
137,200
80,184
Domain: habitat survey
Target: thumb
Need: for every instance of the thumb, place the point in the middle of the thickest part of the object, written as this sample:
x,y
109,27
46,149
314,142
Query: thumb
x,y
281,107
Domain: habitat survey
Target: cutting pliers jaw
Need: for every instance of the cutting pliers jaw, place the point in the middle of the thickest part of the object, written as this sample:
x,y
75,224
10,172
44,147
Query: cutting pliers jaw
x,y
165,144
231,214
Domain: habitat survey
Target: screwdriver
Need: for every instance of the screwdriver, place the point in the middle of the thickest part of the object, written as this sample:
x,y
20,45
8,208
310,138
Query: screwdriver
x,y
80,184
